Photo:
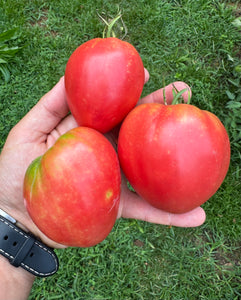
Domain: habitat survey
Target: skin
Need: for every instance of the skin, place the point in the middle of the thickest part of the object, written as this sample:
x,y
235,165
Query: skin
x,y
30,138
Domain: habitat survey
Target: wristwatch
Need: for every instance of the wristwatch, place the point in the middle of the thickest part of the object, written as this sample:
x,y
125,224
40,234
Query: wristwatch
x,y
23,249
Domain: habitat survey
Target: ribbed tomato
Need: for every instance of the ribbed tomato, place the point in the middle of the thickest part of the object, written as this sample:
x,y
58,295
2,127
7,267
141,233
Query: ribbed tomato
x,y
175,156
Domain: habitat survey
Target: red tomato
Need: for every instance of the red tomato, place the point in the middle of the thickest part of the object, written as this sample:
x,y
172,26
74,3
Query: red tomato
x,y
104,79
72,192
175,156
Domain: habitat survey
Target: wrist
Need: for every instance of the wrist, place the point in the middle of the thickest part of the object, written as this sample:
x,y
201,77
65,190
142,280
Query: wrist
x,y
16,283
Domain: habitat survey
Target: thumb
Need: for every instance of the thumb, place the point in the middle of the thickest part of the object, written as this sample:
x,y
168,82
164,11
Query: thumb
x,y
44,116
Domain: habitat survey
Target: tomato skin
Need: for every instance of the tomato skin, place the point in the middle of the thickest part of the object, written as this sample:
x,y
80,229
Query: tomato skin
x,y
175,156
104,79
72,192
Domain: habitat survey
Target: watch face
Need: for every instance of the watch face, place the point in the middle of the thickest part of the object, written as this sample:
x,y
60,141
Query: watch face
x,y
6,216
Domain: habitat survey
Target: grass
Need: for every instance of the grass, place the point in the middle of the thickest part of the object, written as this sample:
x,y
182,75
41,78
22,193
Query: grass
x,y
7,53
189,40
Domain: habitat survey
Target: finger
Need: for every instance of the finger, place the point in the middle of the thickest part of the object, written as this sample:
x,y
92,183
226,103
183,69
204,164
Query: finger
x,y
167,93
147,75
134,207
65,125
45,115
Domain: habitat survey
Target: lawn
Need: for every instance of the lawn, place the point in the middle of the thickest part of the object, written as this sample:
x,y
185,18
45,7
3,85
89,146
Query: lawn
x,y
195,41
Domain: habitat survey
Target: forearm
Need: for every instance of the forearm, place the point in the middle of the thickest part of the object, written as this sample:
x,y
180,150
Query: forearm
x,y
15,283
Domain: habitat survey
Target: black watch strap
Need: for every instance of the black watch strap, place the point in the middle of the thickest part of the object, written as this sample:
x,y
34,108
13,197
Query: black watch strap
x,y
23,249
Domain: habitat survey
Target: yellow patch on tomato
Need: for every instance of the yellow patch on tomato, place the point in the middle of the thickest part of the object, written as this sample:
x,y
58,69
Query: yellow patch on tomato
x,y
109,194
153,108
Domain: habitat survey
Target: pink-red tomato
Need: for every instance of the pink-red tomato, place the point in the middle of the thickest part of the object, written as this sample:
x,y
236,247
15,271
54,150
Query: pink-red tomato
x,y
175,156
72,192
104,79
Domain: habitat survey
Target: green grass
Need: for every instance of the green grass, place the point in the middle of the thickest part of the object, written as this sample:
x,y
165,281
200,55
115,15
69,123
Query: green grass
x,y
189,40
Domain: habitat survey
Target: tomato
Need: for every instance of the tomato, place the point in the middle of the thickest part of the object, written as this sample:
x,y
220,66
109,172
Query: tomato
x,y
72,192
104,79
174,156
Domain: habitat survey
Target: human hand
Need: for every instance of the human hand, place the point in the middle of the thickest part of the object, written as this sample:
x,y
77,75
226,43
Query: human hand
x,y
38,131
